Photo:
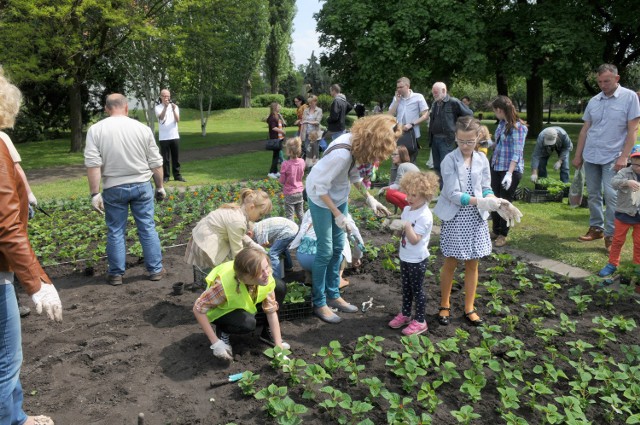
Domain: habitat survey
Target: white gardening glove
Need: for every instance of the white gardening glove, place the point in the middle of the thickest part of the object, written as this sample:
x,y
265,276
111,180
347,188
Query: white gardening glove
x,y
489,204
47,299
222,350
557,165
635,198
343,223
534,178
397,225
381,191
97,204
509,213
377,207
506,181
32,199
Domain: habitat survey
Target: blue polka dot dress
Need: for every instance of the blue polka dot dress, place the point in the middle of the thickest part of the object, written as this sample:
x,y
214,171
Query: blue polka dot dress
x,y
466,236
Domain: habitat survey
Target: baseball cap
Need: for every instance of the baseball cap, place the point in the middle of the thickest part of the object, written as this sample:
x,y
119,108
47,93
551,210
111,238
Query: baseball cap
x,y
635,151
550,136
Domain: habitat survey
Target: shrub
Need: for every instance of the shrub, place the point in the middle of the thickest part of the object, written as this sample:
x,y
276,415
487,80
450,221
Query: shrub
x,y
219,102
266,100
324,102
555,116
290,116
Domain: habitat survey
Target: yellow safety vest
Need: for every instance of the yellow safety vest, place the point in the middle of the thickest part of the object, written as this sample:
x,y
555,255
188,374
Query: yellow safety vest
x,y
237,295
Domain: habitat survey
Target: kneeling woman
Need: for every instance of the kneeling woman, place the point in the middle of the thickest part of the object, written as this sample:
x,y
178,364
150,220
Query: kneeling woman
x,y
233,290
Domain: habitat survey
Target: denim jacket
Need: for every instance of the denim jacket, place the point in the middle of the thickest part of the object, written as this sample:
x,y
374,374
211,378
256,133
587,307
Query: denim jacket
x,y
454,180
624,203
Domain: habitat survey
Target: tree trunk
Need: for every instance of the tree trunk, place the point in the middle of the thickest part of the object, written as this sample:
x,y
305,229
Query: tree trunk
x,y
502,83
75,114
246,94
534,105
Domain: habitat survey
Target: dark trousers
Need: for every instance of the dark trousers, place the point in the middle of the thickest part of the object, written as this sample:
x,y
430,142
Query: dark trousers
x,y
241,321
412,288
275,159
170,157
499,224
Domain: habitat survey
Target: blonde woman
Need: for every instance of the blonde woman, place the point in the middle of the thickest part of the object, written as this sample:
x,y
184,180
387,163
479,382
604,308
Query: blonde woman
x,y
328,186
311,127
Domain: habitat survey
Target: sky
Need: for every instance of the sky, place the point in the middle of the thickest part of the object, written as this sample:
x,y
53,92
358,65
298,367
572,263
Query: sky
x,y
305,38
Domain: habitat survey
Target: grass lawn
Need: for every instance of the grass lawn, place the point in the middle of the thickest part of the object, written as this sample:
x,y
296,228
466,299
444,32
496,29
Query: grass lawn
x,y
549,229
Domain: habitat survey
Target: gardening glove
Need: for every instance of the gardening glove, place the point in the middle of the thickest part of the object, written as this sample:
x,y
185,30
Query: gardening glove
x,y
377,207
635,198
32,199
343,223
489,204
222,350
506,181
509,213
381,192
160,194
32,212
557,165
397,225
47,298
534,178
97,204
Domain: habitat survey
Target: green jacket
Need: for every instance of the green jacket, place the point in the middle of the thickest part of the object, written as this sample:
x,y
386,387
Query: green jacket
x,y
235,291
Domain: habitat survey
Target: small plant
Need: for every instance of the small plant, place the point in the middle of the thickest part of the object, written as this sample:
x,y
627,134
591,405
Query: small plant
x,y
398,412
465,415
294,367
247,383
278,356
369,346
427,397
280,406
316,376
582,302
510,323
332,356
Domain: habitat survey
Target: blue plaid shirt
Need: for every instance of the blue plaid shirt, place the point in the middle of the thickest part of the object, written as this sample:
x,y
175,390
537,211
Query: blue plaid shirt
x,y
509,147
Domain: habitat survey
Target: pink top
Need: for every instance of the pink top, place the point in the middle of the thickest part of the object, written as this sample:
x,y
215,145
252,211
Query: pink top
x,y
291,173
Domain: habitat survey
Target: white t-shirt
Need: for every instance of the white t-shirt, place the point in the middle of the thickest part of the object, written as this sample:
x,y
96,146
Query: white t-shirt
x,y
167,128
15,156
422,221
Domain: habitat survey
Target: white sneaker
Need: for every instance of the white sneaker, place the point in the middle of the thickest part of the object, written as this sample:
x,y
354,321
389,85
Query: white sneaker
x,y
277,175
272,176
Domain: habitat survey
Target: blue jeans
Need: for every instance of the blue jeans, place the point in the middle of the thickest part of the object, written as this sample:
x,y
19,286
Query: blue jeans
x,y
564,168
440,147
326,268
11,412
598,178
117,200
279,247
335,135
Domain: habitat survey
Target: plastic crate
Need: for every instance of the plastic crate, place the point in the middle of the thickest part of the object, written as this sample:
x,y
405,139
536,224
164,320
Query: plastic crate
x,y
286,312
540,196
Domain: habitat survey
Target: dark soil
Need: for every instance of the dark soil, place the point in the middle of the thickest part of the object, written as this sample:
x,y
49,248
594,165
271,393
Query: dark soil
x,y
137,348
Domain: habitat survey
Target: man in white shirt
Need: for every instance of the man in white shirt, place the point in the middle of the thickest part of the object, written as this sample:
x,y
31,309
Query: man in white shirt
x,y
123,153
410,109
168,115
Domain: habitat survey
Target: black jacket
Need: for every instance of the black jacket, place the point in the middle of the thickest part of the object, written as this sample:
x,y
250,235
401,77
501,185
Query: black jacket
x,y
339,109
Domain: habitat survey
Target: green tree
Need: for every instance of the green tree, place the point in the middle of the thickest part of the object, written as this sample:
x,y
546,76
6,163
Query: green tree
x,y
371,44
316,76
64,40
277,60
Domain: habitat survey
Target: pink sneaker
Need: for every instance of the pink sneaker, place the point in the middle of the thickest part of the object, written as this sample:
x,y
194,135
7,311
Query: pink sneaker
x,y
399,321
415,328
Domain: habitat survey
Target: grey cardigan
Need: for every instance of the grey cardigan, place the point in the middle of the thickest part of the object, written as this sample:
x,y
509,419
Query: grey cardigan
x,y
624,203
454,183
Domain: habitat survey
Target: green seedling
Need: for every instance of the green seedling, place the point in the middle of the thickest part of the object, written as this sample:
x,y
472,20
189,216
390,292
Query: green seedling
x,y
375,385
398,412
315,376
465,415
448,373
510,323
280,406
294,367
332,356
278,356
427,397
354,369
582,302
369,346
547,335
247,382
551,413
474,384
509,398
547,308
604,335
624,325
567,325
511,418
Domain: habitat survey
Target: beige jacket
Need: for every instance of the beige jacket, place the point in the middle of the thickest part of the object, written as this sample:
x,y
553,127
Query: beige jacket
x,y
220,234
